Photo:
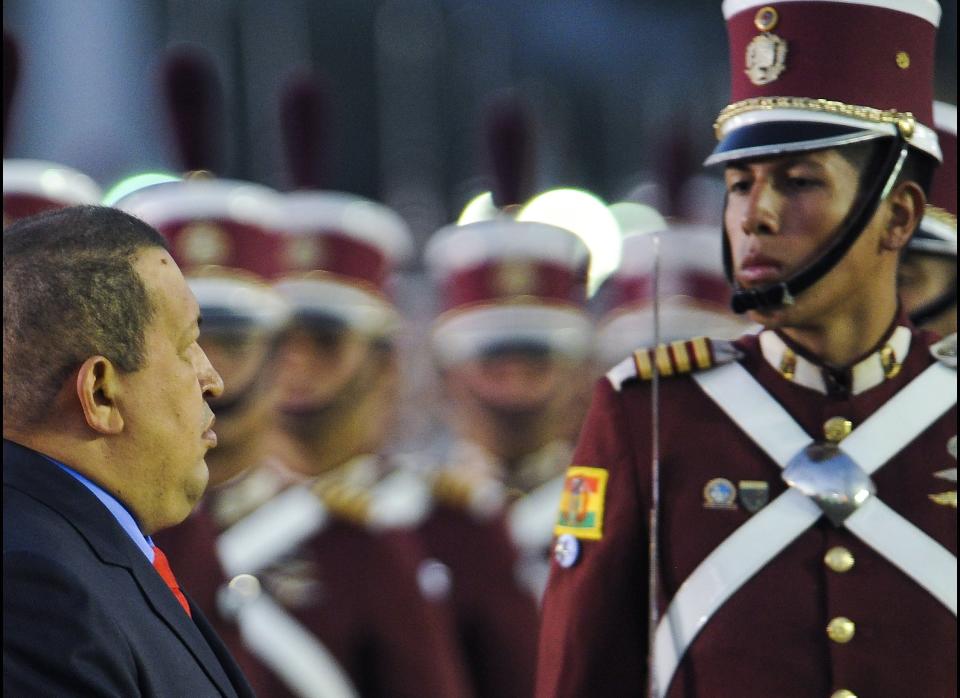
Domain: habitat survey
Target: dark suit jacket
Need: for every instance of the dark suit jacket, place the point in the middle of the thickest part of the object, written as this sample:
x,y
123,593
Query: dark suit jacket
x,y
84,612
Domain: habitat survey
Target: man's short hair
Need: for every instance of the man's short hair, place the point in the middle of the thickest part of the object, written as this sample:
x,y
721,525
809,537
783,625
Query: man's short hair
x,y
867,156
70,291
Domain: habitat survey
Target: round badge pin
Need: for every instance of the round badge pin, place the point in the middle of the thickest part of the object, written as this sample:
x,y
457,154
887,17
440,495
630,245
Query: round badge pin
x,y
566,551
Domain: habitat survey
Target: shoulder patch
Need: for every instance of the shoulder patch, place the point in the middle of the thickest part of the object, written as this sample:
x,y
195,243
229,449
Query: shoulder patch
x,y
945,351
673,359
582,503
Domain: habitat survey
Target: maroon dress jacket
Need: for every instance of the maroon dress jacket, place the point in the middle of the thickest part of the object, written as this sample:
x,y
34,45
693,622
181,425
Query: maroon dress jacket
x,y
770,637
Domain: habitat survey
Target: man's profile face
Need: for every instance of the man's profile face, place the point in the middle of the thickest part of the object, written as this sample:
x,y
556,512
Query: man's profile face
x,y
780,214
163,404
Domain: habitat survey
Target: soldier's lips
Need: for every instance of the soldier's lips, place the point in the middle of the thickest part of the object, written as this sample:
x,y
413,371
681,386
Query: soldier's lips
x,y
759,269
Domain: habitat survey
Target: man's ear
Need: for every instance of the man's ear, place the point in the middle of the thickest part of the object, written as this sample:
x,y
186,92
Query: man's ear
x,y
907,204
98,387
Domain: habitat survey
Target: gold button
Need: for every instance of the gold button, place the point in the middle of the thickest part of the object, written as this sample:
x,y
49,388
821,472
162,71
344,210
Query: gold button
x,y
843,693
839,559
903,60
841,630
836,429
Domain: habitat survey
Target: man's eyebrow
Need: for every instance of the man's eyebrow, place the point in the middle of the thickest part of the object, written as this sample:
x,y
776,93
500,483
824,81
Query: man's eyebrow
x,y
188,330
801,160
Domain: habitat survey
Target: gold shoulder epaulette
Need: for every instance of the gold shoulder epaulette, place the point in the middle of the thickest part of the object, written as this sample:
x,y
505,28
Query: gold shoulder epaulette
x,y
481,496
673,359
345,501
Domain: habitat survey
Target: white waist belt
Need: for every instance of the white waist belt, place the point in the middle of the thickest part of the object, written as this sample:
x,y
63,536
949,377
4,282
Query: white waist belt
x,y
775,526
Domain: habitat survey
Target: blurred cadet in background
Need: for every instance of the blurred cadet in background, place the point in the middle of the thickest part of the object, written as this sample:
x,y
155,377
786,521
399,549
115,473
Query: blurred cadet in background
x,y
223,235
325,529
694,295
928,269
513,347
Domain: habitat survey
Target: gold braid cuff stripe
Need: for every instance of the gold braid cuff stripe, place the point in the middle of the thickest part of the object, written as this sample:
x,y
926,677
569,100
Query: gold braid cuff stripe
x,y
941,215
905,121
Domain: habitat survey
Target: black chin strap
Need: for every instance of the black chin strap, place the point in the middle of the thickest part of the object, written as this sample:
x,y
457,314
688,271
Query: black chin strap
x,y
783,293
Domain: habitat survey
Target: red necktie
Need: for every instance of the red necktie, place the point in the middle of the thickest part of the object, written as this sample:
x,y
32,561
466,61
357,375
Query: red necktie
x,y
162,566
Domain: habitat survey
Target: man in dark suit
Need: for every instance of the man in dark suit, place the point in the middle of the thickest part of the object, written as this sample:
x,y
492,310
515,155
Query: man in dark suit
x,y
106,428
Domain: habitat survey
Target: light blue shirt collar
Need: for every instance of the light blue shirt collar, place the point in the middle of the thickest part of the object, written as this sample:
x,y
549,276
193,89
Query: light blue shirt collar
x,y
119,512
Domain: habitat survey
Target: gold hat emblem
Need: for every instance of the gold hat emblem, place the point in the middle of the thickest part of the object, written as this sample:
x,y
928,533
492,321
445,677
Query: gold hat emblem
x,y
515,278
304,252
766,58
203,243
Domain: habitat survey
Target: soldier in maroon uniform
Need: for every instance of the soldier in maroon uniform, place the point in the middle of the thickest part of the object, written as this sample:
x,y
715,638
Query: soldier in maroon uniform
x,y
514,350
334,589
777,515
928,268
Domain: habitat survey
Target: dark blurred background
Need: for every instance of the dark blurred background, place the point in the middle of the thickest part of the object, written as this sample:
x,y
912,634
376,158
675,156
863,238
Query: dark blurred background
x,y
622,92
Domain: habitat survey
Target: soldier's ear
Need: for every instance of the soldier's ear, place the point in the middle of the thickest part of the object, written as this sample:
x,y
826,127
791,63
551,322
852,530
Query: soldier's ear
x,y
98,387
907,203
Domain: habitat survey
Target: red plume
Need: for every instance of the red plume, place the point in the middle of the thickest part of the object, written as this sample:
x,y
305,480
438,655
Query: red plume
x,y
510,146
304,118
196,106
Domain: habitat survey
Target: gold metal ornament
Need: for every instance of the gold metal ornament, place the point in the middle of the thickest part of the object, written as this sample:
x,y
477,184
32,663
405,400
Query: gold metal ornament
x,y
788,364
828,106
946,499
841,630
891,367
304,252
203,243
515,278
766,58
836,429
903,60
766,19
839,559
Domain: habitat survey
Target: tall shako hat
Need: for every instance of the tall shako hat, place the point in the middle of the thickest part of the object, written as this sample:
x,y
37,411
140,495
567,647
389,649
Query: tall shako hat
x,y
339,249
509,283
938,230
814,74
34,186
694,295
504,283
811,74
222,233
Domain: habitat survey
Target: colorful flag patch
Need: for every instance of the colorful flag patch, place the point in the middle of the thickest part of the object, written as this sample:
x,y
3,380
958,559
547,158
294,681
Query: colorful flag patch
x,y
581,505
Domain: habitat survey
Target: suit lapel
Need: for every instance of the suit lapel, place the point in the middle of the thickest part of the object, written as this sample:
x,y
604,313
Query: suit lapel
x,y
32,473
165,605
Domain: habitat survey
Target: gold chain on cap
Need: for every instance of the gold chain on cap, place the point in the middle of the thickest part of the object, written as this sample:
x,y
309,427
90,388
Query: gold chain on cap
x,y
941,215
905,121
